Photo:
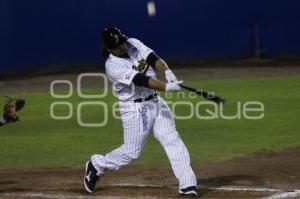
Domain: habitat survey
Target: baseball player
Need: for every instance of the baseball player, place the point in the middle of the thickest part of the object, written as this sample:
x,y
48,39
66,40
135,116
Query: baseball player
x,y
10,111
131,67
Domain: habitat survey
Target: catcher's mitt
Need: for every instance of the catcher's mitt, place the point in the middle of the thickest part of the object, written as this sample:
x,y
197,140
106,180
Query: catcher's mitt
x,y
11,108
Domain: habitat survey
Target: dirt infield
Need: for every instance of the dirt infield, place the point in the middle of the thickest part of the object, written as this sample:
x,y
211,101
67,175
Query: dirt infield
x,y
262,175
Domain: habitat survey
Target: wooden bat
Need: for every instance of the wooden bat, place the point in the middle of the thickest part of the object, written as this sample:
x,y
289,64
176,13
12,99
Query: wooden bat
x,y
206,95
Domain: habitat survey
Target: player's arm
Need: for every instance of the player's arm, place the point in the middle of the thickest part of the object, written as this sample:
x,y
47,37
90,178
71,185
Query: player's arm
x,y
154,60
161,66
2,121
158,63
149,82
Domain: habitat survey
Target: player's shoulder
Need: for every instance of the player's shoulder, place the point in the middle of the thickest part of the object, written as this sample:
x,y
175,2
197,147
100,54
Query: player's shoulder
x,y
134,41
110,64
112,60
114,64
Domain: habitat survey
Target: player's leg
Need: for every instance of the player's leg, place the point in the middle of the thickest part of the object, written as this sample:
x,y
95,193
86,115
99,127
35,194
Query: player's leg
x,y
135,135
165,132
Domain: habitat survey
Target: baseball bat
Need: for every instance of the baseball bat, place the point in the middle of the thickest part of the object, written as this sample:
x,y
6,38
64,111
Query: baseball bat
x,y
206,95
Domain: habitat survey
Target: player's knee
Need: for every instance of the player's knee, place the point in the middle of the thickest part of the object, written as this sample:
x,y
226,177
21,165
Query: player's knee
x,y
134,156
133,152
168,138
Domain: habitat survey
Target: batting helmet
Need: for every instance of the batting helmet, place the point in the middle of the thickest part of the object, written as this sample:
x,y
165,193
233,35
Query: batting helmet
x,y
113,37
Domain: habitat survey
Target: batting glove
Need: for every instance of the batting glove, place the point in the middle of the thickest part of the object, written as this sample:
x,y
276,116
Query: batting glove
x,y
169,75
173,86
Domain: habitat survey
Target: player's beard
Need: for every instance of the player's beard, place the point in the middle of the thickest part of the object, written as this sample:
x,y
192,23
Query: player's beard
x,y
125,55
124,52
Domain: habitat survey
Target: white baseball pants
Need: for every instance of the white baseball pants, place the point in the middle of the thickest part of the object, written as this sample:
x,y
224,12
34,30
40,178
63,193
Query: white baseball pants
x,y
138,119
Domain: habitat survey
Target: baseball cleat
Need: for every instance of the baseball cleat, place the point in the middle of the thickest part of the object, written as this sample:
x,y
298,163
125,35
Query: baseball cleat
x,y
189,191
90,177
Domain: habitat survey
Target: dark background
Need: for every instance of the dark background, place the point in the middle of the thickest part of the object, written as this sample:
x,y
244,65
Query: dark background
x,y
38,34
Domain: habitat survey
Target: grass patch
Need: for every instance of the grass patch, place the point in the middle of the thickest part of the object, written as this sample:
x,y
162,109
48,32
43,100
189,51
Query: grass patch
x,y
38,141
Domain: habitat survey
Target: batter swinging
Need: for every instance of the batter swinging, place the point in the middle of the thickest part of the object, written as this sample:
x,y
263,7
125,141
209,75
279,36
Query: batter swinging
x,y
131,66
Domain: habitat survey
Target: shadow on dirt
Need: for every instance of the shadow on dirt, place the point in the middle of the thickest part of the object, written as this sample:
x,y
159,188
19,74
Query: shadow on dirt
x,y
221,181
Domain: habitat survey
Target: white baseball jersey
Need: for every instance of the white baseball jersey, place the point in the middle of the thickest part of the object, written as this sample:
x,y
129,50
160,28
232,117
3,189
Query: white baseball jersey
x,y
120,71
141,118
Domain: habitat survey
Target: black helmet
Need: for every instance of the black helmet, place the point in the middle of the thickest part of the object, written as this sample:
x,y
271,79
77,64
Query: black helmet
x,y
113,37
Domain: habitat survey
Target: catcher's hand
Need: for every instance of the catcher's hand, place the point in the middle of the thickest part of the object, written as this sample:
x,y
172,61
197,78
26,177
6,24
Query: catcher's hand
x,y
11,108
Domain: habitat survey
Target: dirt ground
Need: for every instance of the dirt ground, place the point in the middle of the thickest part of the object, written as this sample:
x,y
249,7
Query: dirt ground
x,y
276,171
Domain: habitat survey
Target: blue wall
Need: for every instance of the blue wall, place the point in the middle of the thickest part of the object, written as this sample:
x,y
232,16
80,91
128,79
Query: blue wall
x,y
37,33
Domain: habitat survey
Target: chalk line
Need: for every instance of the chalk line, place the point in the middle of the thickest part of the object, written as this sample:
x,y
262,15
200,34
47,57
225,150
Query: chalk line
x,y
291,194
277,193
